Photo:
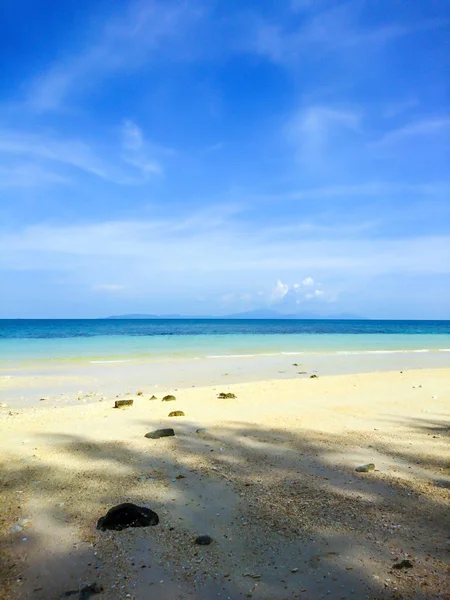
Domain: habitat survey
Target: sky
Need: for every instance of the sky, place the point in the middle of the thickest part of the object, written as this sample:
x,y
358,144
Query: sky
x,y
213,157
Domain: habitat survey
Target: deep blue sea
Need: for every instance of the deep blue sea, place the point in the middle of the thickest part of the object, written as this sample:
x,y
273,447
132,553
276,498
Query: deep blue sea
x,y
127,339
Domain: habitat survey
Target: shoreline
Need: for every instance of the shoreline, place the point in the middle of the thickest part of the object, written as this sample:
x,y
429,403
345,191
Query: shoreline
x,y
270,475
71,383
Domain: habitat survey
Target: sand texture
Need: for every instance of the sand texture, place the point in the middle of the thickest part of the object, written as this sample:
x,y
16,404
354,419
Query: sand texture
x,y
270,477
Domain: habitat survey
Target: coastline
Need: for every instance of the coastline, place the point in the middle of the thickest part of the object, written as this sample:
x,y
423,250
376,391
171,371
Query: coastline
x,y
272,480
65,382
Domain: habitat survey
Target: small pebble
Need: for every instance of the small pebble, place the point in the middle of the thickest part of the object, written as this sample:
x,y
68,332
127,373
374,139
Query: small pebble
x,y
365,468
203,540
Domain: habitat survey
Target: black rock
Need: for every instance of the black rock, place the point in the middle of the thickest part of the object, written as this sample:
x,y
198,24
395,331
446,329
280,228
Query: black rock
x,y
127,515
403,564
153,397
224,396
159,433
203,540
168,398
314,377
86,592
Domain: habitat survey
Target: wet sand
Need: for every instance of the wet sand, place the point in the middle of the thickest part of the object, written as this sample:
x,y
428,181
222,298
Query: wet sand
x,y
271,479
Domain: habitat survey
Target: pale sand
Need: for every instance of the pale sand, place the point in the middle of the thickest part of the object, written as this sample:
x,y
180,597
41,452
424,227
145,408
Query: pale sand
x,y
272,480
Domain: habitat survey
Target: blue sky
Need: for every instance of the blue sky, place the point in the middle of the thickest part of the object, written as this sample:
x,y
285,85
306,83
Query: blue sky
x,y
210,157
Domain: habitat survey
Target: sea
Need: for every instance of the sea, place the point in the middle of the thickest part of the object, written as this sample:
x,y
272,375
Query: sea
x,y
119,340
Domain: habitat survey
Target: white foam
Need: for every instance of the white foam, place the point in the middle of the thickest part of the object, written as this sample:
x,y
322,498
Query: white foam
x,y
105,362
231,355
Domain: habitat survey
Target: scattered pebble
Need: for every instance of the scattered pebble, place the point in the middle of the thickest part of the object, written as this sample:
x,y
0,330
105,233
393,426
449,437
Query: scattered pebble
x,y
123,403
226,396
127,515
403,564
168,398
159,433
203,540
365,468
177,413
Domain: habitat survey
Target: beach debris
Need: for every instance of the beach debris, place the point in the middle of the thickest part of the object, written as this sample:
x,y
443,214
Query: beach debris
x,y
226,396
159,433
168,398
252,575
177,413
403,564
180,476
139,393
153,398
302,373
295,364
203,540
201,430
127,515
86,592
123,403
16,528
43,399
365,468
314,377
3,405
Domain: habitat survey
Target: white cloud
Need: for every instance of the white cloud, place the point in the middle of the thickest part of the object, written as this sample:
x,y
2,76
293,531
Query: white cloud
x,y
222,255
279,291
308,281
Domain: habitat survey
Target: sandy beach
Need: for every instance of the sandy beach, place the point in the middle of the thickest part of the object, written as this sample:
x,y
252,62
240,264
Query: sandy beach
x,y
269,475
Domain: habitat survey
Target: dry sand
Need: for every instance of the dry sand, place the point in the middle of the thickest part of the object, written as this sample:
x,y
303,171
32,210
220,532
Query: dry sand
x,y
272,480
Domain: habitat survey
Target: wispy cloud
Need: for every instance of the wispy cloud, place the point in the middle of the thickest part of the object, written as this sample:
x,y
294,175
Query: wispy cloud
x,y
108,287
317,131
29,175
420,128
43,151
122,43
334,29
136,151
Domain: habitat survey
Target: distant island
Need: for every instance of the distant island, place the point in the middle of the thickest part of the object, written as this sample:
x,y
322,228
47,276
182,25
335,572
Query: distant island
x,y
251,314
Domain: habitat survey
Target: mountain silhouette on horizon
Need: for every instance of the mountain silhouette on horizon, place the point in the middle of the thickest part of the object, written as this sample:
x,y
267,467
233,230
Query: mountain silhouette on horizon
x,y
251,314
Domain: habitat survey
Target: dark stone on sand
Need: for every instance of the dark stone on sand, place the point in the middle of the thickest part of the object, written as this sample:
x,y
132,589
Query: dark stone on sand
x,y
153,398
302,373
365,468
160,433
314,377
127,515
168,398
203,540
294,364
176,413
403,564
123,403
86,592
226,396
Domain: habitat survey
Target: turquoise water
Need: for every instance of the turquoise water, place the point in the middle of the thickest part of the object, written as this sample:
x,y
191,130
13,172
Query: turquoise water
x,y
108,340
